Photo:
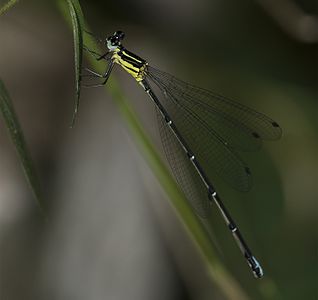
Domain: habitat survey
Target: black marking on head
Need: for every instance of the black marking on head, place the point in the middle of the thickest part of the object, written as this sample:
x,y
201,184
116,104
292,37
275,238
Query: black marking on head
x,y
116,38
255,134
119,34
275,124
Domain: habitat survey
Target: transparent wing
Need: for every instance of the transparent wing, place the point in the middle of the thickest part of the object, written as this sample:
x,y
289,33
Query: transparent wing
x,y
214,126
211,152
236,125
186,175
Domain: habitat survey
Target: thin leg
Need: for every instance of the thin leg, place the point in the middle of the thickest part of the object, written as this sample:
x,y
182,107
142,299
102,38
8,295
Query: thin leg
x,y
104,56
97,55
89,75
95,73
92,74
105,75
94,36
95,85
92,52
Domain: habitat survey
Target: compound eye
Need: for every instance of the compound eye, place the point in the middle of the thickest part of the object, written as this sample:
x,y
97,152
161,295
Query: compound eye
x,y
120,35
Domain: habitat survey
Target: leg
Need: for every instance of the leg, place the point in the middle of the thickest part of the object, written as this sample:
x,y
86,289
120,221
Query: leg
x,y
93,53
97,55
94,36
93,74
105,76
104,56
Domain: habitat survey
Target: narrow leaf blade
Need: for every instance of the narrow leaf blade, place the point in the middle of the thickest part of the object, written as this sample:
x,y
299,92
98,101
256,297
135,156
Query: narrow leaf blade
x,y
76,18
17,137
7,6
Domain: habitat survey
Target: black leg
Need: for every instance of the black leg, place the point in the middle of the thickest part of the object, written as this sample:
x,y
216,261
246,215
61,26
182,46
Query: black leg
x,y
97,55
95,85
93,73
94,36
105,75
92,52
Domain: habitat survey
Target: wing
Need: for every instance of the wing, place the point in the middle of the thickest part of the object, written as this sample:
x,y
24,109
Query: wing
x,y
236,125
186,175
213,127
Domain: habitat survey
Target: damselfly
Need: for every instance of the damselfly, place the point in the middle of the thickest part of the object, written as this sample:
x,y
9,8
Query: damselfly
x,y
201,132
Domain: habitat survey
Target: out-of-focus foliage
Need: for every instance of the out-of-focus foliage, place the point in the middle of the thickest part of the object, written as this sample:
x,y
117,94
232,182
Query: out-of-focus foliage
x,y
17,137
7,6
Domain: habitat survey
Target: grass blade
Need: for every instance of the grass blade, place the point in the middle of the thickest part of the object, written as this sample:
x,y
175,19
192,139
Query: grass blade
x,y
7,6
76,18
17,137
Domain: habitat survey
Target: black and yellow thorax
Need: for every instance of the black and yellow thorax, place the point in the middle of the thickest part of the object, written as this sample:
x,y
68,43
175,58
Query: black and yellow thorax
x,y
132,63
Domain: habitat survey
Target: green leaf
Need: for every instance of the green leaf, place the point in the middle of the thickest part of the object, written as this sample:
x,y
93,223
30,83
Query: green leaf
x,y
77,25
17,137
7,6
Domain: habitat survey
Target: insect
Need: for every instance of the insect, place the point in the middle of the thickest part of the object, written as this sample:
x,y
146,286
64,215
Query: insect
x,y
201,132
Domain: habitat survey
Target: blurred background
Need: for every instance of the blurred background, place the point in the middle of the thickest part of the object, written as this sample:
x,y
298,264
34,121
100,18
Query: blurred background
x,y
111,232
